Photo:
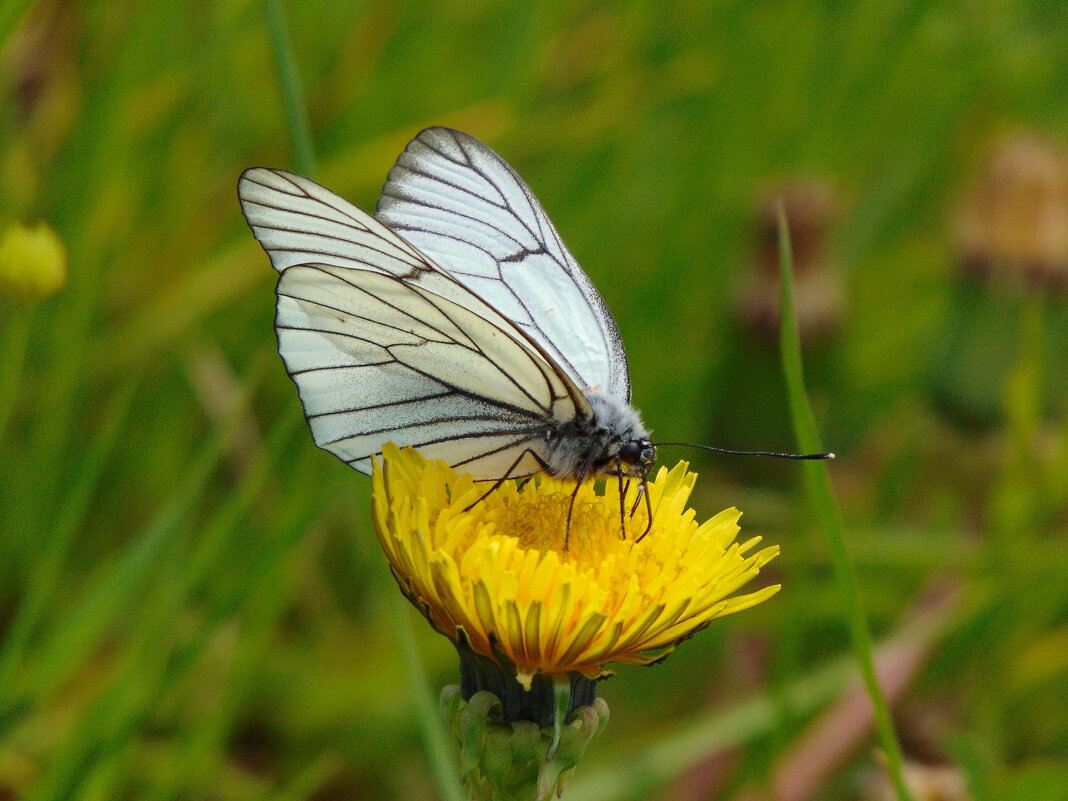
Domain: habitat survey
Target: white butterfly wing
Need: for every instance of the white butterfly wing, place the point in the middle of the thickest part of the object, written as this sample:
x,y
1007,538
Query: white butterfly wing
x,y
378,355
299,222
458,202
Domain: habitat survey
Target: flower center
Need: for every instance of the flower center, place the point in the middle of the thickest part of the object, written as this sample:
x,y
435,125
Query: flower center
x,y
538,519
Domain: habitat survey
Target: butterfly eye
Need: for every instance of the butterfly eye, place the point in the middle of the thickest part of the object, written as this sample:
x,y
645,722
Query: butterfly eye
x,y
631,452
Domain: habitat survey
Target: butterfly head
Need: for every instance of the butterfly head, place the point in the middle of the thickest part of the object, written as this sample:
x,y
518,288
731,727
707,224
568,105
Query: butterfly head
x,y
636,456
614,440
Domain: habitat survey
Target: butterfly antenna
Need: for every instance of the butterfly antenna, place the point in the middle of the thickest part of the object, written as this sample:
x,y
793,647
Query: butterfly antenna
x,y
728,451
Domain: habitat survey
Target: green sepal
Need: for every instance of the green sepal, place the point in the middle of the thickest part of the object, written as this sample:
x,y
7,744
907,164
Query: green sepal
x,y
561,700
517,761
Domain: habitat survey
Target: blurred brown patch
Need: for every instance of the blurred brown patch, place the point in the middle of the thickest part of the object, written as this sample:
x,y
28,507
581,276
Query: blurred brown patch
x,y
254,748
38,66
812,210
925,782
1013,226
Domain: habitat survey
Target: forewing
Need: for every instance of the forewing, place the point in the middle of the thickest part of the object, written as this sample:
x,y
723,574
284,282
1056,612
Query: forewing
x,y
299,222
378,359
458,202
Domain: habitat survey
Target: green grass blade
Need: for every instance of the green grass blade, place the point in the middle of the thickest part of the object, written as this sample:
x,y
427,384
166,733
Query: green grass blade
x,y
115,589
289,81
46,569
152,661
671,756
641,771
822,500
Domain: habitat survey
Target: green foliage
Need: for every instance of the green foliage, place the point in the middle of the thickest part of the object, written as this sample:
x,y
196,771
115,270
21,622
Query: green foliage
x,y
192,604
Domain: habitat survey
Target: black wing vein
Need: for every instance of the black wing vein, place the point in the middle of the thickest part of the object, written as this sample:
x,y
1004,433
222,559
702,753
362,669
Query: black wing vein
x,y
479,220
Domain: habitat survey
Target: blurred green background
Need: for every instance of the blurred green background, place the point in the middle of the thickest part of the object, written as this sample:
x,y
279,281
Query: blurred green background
x,y
192,603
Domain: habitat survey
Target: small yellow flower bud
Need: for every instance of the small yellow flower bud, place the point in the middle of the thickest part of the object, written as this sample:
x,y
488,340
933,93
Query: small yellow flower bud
x,y
33,261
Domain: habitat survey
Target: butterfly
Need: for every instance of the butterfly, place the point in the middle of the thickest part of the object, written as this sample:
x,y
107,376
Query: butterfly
x,y
454,320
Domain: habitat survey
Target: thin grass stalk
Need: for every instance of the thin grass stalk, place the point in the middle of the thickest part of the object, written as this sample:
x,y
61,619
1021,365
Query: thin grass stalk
x,y
289,82
13,346
820,496
12,13
441,759
440,752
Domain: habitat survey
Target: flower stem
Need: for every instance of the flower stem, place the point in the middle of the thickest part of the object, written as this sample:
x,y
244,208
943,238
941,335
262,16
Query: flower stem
x,y
819,491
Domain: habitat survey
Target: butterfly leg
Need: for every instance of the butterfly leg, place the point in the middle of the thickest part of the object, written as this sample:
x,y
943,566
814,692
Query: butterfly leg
x,y
571,506
623,487
638,499
643,489
497,484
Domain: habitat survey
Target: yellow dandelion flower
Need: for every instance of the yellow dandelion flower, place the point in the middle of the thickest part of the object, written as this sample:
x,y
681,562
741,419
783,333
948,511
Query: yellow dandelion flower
x,y
507,580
